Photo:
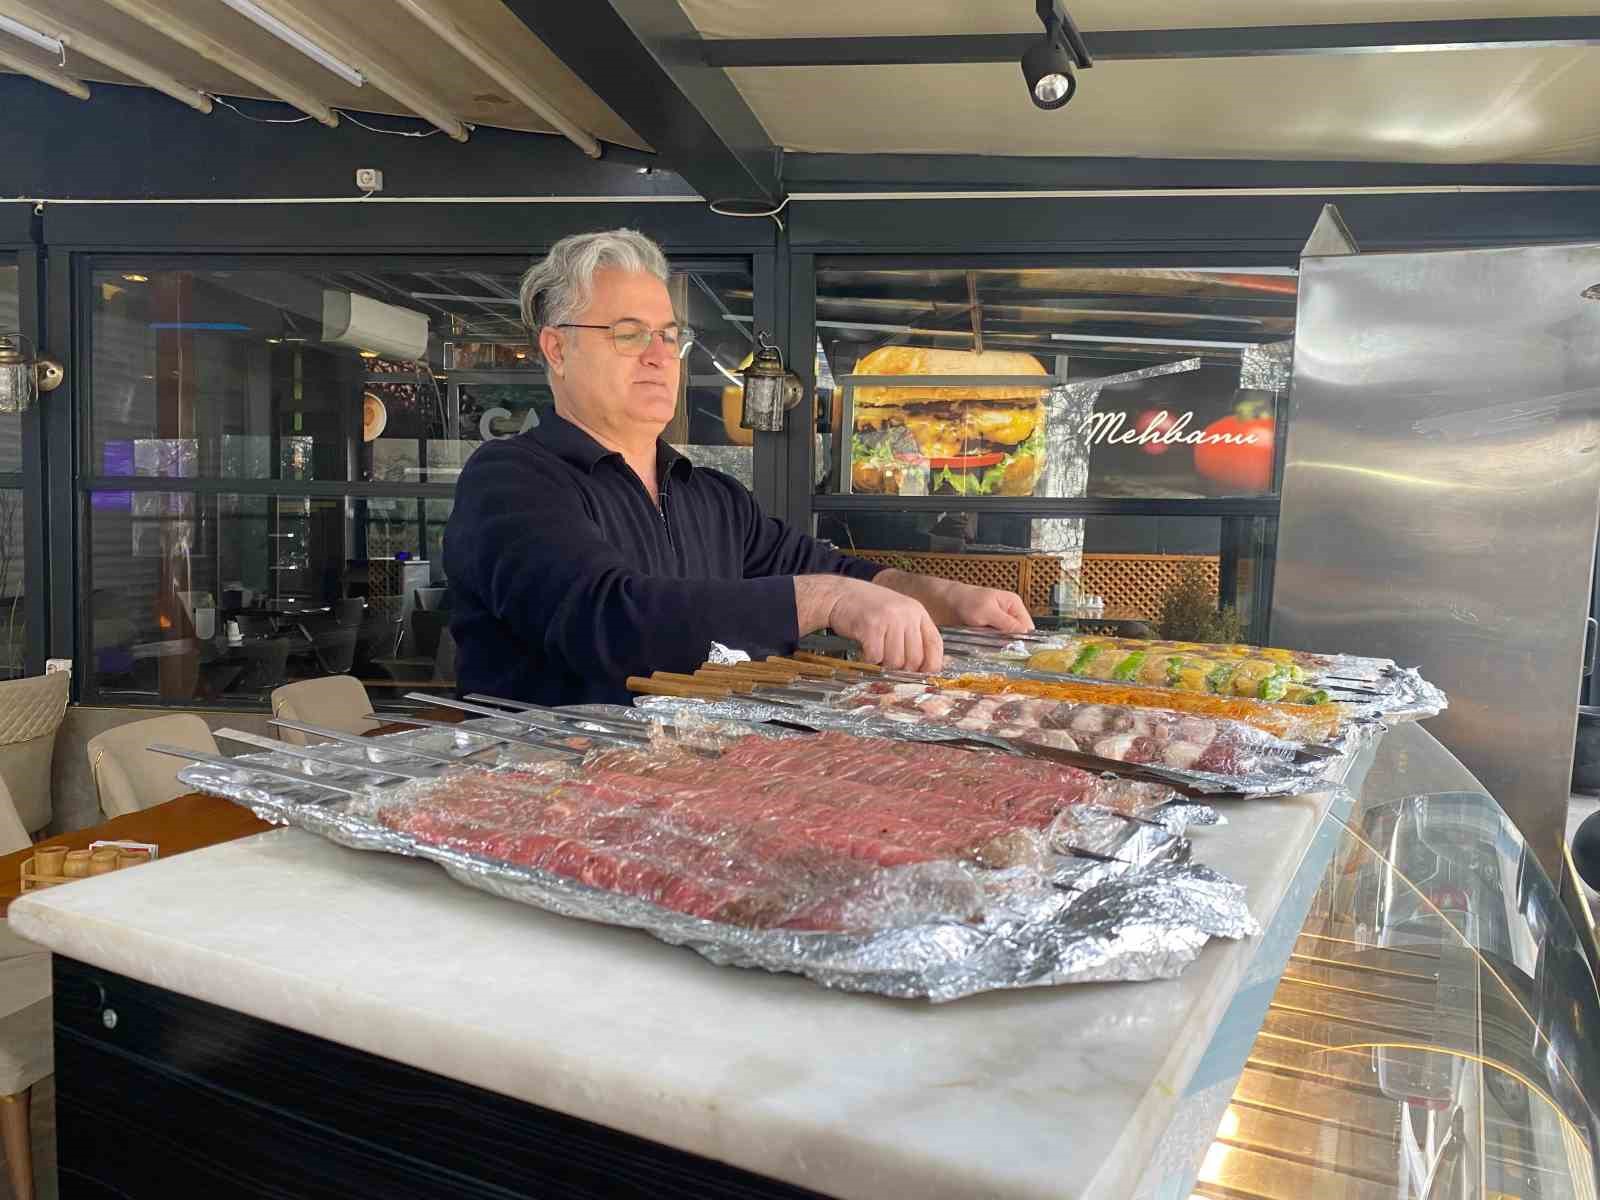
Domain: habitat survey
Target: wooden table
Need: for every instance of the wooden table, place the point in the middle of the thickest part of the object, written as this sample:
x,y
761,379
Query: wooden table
x,y
190,822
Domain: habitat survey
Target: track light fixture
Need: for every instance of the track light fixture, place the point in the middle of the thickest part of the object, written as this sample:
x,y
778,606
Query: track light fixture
x,y
1048,64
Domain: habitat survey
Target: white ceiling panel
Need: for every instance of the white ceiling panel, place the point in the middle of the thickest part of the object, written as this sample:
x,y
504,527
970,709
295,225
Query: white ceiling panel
x,y
1458,107
1468,106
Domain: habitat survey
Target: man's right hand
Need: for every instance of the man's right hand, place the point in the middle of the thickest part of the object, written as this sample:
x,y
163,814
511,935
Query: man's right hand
x,y
893,629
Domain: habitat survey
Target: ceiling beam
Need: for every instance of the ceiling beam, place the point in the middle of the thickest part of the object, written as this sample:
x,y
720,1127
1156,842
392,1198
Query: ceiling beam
x,y
1383,37
642,58
105,53
197,41
344,39
59,80
464,44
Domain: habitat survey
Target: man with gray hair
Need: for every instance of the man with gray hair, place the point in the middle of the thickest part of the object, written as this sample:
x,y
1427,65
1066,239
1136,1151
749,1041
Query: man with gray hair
x,y
587,549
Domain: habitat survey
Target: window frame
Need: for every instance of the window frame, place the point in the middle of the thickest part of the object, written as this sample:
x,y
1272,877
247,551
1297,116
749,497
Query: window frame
x,y
1243,520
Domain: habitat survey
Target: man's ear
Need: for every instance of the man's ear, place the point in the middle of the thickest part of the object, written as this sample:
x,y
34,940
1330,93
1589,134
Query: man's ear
x,y
552,349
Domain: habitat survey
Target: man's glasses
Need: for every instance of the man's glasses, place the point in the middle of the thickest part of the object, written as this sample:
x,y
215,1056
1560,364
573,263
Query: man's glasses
x,y
632,337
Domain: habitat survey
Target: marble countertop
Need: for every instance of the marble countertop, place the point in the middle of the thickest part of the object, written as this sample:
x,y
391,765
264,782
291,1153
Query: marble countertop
x,y
1048,1092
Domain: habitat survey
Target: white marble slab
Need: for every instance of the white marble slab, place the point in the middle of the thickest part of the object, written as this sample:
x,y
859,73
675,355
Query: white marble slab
x,y
1044,1093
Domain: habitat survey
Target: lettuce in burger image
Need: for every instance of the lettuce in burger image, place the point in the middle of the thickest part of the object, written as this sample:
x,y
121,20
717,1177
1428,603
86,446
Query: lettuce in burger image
x,y
971,441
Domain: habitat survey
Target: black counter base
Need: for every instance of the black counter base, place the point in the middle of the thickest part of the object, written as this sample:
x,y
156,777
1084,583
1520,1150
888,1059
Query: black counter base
x,y
178,1097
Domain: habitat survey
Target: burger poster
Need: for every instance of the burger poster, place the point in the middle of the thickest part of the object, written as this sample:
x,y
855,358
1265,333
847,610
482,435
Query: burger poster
x,y
1186,431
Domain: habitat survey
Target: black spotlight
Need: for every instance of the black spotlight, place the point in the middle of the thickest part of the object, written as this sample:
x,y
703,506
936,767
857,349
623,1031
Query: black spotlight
x,y
1048,64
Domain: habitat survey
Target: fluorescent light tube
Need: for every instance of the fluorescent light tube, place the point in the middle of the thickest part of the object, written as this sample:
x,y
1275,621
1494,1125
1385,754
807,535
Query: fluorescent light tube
x,y
32,36
293,37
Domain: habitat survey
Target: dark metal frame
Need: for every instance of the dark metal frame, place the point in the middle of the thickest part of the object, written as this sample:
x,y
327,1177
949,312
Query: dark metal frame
x,y
1147,44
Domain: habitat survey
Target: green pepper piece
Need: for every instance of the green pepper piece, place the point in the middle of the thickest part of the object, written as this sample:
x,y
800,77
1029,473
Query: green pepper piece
x,y
1217,681
1274,685
1129,667
1320,696
1086,656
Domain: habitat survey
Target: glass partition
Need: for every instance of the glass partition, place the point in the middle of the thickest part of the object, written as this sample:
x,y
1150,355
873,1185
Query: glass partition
x,y
353,376
218,599
258,384
1118,426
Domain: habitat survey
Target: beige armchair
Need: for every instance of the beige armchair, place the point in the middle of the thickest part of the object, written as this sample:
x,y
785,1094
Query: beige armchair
x,y
27,1049
30,713
334,701
128,777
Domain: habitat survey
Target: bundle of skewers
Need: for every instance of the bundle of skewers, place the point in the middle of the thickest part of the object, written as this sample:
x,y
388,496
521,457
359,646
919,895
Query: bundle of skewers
x,y
1202,745
1372,687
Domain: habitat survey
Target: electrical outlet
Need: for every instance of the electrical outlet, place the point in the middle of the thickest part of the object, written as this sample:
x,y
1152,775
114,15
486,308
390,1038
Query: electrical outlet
x,y
52,665
369,179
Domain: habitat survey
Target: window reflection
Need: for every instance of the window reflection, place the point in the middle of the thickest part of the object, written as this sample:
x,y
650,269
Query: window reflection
x,y
391,376
220,599
1054,382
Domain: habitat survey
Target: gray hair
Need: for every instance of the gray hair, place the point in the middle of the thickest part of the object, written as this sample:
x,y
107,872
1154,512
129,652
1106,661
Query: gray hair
x,y
559,287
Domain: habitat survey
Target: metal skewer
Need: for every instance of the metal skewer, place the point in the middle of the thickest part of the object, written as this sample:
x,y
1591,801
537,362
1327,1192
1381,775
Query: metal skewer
x,y
508,738
631,737
309,755
235,764
354,739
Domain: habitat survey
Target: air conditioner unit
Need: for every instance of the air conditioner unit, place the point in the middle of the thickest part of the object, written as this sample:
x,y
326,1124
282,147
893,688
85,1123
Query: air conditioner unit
x,y
349,319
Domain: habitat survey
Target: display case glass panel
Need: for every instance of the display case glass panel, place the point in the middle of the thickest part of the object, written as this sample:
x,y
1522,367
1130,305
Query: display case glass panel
x,y
1436,1031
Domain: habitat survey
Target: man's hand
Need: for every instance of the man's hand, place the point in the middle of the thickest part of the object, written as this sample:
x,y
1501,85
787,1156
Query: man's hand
x,y
894,629
951,603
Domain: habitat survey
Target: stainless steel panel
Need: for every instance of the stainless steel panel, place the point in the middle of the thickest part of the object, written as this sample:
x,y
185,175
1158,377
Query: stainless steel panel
x,y
1441,492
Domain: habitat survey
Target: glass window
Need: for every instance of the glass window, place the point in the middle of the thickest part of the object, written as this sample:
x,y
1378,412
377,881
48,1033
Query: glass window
x,y
1053,382
218,599
382,380
1108,571
370,376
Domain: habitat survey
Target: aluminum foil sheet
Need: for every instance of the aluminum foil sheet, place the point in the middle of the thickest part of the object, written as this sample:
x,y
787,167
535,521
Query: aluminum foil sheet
x,y
1134,908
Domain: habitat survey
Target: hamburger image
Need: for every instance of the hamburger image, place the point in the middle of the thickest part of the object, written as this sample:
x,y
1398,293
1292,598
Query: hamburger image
x,y
972,441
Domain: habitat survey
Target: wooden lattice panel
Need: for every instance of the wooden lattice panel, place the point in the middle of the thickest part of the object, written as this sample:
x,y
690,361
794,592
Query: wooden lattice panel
x,y
1031,576
1130,584
1135,582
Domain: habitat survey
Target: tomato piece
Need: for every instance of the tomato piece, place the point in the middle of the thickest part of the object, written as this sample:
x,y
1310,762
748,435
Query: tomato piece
x,y
1244,468
967,462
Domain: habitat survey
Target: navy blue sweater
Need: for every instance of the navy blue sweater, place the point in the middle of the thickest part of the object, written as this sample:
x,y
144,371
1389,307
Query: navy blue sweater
x,y
565,578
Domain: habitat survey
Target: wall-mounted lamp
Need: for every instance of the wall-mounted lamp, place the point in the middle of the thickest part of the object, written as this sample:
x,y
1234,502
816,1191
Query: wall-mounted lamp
x,y
23,375
770,388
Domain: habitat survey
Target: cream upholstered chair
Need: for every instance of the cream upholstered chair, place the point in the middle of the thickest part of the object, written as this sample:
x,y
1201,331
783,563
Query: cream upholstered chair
x,y
30,713
27,1048
128,777
334,702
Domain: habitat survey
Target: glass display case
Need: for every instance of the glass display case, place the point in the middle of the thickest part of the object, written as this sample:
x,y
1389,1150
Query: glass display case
x,y
1430,1027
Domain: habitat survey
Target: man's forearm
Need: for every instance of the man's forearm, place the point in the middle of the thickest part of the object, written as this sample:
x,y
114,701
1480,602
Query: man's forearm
x,y
925,589
814,598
